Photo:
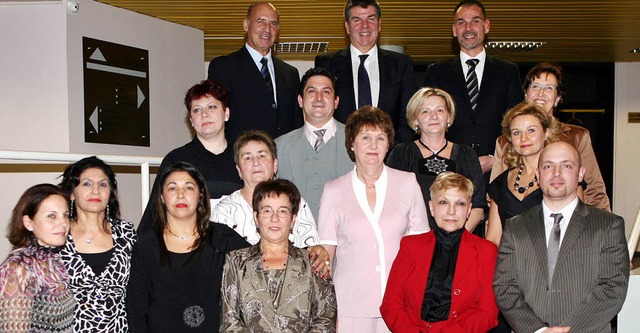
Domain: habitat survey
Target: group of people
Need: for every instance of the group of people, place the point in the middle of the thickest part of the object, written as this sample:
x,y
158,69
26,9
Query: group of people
x,y
356,214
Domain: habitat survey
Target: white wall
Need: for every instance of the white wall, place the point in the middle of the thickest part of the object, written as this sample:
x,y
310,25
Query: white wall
x,y
33,77
626,156
41,89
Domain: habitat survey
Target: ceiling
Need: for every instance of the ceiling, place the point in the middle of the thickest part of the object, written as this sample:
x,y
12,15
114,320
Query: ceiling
x,y
574,31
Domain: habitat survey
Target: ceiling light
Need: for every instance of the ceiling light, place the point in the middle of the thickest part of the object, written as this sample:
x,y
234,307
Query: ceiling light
x,y
302,47
526,46
636,50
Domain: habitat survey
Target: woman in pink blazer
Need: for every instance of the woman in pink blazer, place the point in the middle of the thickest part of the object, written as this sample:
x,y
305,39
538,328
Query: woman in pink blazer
x,y
442,281
363,216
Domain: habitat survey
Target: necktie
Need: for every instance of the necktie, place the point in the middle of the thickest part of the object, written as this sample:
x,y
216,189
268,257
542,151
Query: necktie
x,y
472,82
319,140
554,244
265,74
364,86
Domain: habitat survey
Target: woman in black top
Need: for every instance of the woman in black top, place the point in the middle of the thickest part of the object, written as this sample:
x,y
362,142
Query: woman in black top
x,y
176,268
208,110
430,112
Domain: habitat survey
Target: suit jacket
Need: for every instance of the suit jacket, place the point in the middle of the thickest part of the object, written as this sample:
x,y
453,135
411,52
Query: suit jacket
x,y
473,306
304,301
397,85
500,90
590,279
596,192
310,170
251,104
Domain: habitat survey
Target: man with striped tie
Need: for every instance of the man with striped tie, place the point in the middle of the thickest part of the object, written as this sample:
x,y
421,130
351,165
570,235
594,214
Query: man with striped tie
x,y
262,88
563,266
483,87
315,153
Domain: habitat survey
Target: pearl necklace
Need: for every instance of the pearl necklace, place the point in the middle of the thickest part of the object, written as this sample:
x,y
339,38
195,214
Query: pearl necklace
x,y
516,185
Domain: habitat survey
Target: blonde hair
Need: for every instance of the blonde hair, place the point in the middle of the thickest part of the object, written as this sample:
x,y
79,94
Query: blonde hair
x,y
451,180
414,106
511,157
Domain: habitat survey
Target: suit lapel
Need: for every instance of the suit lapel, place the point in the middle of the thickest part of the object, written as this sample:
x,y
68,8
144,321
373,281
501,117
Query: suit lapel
x,y
535,228
384,70
461,84
345,69
253,75
297,154
574,229
465,261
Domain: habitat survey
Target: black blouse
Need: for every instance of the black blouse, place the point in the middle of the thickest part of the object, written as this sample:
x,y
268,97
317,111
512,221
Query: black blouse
x,y
508,204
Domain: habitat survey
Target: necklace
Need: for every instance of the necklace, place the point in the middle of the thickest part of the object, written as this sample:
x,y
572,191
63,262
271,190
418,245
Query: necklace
x,y
516,185
90,239
182,237
266,266
433,163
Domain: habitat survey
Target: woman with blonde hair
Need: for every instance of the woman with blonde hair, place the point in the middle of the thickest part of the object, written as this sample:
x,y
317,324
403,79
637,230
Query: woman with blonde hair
x,y
430,112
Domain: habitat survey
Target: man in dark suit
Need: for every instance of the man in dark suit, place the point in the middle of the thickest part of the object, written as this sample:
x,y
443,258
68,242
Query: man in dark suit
x,y
496,83
262,88
367,74
315,153
562,265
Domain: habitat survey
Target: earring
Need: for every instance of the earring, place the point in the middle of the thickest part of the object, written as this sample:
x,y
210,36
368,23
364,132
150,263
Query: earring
x,y
416,129
108,213
291,230
72,209
448,124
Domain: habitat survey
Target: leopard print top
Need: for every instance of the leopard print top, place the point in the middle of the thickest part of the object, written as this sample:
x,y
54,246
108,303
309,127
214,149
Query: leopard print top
x,y
101,299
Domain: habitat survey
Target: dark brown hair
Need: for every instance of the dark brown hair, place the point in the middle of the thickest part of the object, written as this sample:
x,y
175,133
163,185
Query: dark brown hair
x,y
29,204
543,69
276,187
367,117
362,4
71,180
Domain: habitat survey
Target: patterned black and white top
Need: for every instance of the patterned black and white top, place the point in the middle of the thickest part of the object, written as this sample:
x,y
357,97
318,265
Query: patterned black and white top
x,y
101,299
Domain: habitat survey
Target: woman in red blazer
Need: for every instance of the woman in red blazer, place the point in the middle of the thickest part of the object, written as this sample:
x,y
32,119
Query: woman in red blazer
x,y
441,281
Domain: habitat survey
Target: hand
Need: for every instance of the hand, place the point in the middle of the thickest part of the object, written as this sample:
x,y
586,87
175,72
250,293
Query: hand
x,y
486,162
320,264
557,329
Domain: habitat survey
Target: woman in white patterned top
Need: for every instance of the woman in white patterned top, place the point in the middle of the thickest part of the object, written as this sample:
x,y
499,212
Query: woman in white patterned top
x,y
255,157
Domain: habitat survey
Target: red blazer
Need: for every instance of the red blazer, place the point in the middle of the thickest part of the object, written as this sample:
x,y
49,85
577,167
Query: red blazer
x,y
473,305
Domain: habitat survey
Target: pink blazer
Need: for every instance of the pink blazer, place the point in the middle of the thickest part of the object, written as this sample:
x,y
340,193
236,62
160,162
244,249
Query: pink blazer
x,y
473,305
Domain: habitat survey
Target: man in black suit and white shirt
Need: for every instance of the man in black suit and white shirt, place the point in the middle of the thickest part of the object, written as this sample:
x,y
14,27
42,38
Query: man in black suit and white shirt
x,y
563,266
496,82
262,88
367,74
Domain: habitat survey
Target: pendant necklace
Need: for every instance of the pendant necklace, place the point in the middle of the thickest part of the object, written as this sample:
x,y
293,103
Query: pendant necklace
x,y
516,185
435,164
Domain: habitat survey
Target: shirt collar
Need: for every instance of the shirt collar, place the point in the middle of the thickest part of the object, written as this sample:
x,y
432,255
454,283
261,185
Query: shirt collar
x,y
566,211
330,126
257,56
355,53
482,56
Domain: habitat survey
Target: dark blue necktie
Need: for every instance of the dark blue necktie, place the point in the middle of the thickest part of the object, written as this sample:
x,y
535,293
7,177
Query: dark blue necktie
x,y
265,74
364,86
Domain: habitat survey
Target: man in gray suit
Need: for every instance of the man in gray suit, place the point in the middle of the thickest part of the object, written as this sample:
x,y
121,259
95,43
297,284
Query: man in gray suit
x,y
315,153
562,265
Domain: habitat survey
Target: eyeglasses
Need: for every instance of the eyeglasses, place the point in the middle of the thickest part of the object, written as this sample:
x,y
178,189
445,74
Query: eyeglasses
x,y
547,87
282,212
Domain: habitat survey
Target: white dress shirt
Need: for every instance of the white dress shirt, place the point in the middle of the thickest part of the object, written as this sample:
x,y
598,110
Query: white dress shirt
x,y
373,69
257,57
482,57
330,126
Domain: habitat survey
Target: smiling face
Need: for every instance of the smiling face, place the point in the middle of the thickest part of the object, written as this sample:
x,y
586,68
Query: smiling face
x,y
208,116
559,173
274,218
93,191
370,146
433,116
527,135
50,224
262,27
543,91
319,100
470,27
180,195
450,209
363,27
255,163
